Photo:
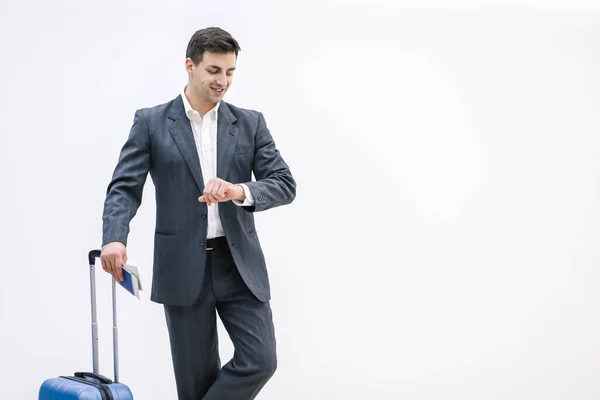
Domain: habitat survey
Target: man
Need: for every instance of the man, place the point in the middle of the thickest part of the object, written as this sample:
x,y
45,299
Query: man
x,y
201,152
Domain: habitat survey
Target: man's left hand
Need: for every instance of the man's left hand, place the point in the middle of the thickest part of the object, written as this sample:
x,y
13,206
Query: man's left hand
x,y
217,190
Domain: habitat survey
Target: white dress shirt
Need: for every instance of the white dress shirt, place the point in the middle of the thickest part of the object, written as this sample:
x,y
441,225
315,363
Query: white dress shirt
x,y
205,136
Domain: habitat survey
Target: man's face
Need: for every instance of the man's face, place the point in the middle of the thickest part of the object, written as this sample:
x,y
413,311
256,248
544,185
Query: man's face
x,y
211,78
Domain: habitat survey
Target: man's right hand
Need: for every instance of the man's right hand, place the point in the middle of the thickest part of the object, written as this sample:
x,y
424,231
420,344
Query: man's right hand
x,y
113,255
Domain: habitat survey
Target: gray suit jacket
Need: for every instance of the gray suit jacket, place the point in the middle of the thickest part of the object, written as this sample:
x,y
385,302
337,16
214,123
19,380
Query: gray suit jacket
x,y
161,142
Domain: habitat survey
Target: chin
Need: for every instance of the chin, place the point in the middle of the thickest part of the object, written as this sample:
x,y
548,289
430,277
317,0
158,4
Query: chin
x,y
212,96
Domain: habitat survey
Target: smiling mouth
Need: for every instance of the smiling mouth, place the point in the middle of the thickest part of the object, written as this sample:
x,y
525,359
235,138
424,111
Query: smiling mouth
x,y
221,90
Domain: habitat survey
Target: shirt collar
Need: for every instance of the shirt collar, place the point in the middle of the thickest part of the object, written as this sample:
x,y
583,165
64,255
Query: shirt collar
x,y
189,111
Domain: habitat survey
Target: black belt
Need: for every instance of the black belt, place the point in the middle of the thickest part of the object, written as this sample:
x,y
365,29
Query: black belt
x,y
215,243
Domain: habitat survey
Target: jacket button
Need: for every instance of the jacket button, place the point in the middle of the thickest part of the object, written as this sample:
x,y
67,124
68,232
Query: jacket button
x,y
202,243
203,216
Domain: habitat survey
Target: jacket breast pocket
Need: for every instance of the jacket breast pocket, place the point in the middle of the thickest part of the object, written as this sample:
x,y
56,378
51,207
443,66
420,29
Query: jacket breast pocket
x,y
163,233
244,149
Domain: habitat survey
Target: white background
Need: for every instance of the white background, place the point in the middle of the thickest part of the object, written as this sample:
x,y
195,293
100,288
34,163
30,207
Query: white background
x,y
444,239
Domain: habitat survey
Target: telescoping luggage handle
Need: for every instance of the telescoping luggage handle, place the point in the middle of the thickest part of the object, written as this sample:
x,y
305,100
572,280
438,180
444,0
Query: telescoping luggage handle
x,y
93,254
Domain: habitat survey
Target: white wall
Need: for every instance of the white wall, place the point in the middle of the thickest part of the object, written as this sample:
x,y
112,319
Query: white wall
x,y
444,241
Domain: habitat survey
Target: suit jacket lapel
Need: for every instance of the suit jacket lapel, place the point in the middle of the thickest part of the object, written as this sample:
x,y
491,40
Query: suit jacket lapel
x,y
227,135
181,130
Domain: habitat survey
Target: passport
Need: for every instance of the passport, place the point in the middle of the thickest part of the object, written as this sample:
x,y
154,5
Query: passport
x,y
131,280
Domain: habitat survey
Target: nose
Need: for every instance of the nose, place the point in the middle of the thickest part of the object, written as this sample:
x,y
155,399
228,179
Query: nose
x,y
222,81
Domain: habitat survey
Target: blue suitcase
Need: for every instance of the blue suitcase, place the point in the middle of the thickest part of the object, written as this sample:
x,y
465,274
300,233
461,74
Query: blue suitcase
x,y
90,385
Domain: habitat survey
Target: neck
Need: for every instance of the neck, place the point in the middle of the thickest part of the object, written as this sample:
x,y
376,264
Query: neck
x,y
197,103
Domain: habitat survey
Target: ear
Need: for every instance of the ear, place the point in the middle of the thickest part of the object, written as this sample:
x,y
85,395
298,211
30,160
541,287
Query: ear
x,y
189,67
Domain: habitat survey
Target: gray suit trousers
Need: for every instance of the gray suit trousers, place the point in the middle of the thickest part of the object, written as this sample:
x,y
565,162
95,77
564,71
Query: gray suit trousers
x,y
194,342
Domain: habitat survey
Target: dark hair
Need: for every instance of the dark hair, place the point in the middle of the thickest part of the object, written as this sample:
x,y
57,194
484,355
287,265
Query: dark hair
x,y
212,39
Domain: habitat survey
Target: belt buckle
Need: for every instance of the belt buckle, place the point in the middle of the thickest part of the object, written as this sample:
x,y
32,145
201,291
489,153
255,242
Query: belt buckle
x,y
209,248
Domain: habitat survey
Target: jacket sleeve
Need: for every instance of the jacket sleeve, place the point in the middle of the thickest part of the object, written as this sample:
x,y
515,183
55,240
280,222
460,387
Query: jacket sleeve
x,y
124,193
274,185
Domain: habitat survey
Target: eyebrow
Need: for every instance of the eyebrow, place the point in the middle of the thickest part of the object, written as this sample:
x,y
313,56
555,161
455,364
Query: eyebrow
x,y
217,67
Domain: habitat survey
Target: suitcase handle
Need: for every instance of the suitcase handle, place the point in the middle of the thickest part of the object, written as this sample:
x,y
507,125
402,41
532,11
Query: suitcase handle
x,y
92,255
100,378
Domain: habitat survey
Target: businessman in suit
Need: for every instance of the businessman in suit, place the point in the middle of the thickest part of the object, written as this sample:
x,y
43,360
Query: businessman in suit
x,y
201,152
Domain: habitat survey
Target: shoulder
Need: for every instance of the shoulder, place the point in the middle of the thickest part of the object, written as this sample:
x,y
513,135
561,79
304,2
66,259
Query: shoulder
x,y
169,107
151,119
244,114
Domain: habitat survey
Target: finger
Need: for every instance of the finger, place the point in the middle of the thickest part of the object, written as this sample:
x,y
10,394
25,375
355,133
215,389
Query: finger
x,y
204,199
209,186
119,268
114,264
120,277
208,191
216,191
211,198
213,191
224,191
212,184
109,265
